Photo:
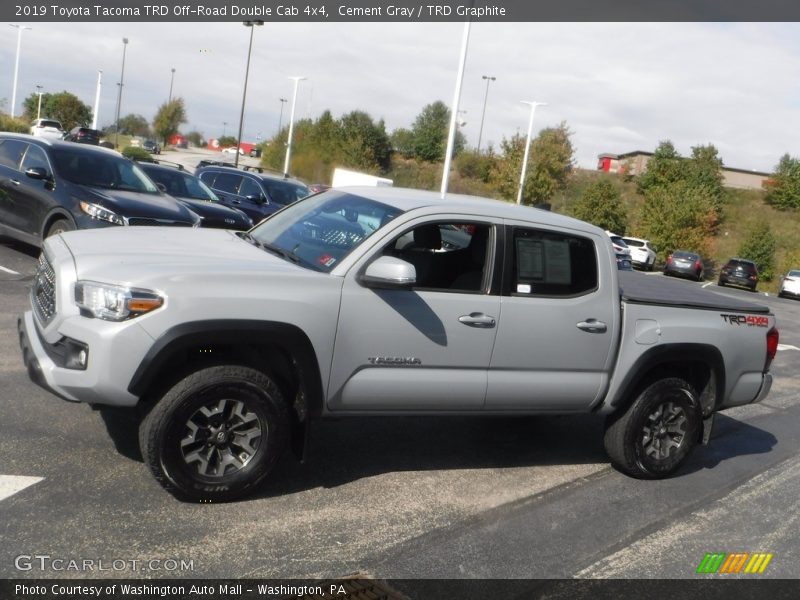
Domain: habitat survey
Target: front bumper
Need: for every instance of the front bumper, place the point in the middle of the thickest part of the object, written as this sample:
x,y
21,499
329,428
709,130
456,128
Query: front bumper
x,y
114,350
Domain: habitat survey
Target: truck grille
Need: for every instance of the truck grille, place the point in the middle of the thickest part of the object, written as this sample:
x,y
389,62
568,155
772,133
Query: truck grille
x,y
43,292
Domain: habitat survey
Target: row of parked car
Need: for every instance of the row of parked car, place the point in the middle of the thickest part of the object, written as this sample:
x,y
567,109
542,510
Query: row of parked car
x,y
48,186
52,129
640,253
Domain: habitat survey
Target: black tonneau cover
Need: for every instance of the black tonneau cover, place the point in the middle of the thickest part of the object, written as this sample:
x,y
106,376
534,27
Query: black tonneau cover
x,y
653,289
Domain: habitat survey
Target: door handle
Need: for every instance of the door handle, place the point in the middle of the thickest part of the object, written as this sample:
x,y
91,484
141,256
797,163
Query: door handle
x,y
14,181
477,319
592,326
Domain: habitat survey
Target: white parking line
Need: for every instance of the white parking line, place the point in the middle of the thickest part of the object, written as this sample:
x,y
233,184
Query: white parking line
x,y
11,484
6,270
708,283
787,347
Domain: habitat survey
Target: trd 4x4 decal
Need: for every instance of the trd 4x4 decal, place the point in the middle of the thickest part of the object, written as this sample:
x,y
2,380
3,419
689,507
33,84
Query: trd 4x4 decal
x,y
749,320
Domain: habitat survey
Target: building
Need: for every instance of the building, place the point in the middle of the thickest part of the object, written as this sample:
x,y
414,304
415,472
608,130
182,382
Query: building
x,y
635,163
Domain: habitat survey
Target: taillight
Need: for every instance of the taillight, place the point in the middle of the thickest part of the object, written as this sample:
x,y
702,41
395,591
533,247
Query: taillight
x,y
669,258
772,347
697,265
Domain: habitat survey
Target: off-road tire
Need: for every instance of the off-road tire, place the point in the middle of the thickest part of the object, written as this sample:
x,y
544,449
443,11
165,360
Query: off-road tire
x,y
641,445
181,432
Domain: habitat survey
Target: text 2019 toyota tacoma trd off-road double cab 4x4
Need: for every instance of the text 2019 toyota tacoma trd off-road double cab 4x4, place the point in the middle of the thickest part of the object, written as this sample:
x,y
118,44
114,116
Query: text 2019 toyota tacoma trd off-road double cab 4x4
x,y
381,301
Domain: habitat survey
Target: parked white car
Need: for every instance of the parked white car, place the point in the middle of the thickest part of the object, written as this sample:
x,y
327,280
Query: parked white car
x,y
232,150
47,128
643,254
621,250
790,284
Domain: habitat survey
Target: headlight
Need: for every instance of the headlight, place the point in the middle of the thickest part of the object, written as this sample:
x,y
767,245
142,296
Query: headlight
x,y
115,303
103,214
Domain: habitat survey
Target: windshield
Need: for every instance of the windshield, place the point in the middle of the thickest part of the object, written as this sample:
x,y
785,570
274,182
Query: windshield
x,y
321,230
183,185
793,274
101,169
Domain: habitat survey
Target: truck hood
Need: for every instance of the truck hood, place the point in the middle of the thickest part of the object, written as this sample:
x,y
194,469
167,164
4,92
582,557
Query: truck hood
x,y
146,256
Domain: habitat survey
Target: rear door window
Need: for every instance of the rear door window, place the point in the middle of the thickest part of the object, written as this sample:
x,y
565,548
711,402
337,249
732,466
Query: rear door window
x,y
11,152
228,182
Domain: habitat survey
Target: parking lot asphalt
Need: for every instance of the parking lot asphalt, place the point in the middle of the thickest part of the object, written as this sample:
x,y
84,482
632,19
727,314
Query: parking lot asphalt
x,y
433,497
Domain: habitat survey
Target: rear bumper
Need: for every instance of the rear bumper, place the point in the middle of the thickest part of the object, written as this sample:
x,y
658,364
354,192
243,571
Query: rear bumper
x,y
766,386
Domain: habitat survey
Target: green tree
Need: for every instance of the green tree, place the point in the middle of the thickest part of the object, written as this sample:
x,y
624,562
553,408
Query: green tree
x,y
550,160
169,117
429,133
783,190
663,168
704,170
63,107
678,216
601,204
472,165
403,142
195,138
759,246
134,125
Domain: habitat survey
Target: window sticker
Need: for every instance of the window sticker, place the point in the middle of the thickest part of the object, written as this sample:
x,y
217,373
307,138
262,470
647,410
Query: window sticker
x,y
326,260
530,259
524,288
557,262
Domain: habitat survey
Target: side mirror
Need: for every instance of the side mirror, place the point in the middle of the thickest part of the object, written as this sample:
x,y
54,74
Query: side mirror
x,y
36,173
389,272
161,187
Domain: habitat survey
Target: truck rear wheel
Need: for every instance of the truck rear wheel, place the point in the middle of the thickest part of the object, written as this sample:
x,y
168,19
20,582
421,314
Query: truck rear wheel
x,y
653,437
216,434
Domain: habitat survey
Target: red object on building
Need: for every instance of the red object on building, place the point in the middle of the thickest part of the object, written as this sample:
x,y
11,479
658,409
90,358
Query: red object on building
x,y
178,140
604,164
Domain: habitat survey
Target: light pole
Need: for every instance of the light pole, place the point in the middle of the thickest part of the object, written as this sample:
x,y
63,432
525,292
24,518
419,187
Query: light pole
x,y
171,79
451,136
297,81
483,114
20,29
533,106
251,25
224,125
280,118
39,105
119,92
97,98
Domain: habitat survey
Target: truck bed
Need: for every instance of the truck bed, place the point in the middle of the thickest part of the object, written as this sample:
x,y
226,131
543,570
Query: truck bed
x,y
639,288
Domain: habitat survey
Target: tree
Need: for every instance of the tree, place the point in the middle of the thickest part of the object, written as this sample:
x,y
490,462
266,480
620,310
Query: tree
x,y
429,133
662,169
364,144
169,117
759,246
403,142
549,164
134,125
783,190
63,107
678,216
601,204
704,170
195,138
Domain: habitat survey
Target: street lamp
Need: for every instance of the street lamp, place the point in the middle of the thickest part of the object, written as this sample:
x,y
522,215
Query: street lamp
x,y
280,118
224,125
97,98
171,79
39,105
119,92
20,29
251,25
297,81
483,114
533,106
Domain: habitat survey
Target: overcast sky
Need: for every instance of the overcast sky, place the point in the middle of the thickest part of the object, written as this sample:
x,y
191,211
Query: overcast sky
x,y
620,87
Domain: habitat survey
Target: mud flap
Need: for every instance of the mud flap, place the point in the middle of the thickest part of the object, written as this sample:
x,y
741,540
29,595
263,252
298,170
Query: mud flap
x,y
708,425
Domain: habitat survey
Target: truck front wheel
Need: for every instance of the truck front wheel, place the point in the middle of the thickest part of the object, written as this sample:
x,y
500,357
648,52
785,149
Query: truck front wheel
x,y
653,437
216,434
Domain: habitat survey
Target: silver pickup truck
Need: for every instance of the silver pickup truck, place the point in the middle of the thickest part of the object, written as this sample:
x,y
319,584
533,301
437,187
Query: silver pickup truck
x,y
381,301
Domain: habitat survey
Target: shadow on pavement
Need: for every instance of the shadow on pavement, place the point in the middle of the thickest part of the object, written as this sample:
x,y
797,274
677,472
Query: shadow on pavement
x,y
730,439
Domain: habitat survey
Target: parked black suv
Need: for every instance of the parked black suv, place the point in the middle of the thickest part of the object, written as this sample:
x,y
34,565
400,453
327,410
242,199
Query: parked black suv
x,y
196,195
257,194
739,271
83,135
51,186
